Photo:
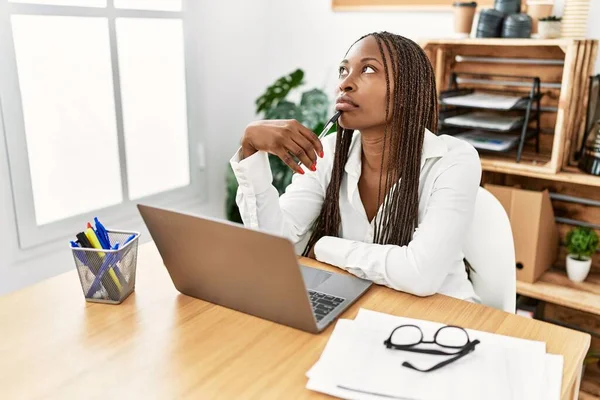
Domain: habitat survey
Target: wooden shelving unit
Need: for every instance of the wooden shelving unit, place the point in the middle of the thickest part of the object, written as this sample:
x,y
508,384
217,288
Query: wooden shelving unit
x,y
554,287
563,67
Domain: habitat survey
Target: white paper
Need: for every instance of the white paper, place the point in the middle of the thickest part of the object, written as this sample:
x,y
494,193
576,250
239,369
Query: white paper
x,y
355,358
553,376
489,140
485,120
484,100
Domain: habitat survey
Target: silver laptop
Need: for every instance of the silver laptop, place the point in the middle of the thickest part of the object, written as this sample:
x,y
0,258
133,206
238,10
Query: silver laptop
x,y
249,271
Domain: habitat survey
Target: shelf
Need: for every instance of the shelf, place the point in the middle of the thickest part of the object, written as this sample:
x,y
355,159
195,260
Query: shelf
x,y
539,171
554,287
499,42
477,138
590,384
586,396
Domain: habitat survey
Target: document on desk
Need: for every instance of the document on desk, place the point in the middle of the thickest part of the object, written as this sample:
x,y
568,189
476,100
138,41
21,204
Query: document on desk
x,y
355,364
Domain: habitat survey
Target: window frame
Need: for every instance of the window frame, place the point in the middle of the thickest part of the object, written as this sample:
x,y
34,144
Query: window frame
x,y
30,234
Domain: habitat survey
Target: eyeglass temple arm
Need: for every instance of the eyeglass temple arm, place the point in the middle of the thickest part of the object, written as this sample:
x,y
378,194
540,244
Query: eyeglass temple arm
x,y
469,348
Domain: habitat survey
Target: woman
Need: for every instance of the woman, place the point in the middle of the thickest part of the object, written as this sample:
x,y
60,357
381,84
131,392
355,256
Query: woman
x,y
385,198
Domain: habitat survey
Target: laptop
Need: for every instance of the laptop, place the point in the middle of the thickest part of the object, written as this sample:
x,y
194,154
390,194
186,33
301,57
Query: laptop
x,y
248,271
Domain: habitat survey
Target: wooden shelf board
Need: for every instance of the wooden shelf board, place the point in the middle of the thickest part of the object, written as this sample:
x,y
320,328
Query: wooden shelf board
x,y
501,42
555,287
533,171
586,396
590,384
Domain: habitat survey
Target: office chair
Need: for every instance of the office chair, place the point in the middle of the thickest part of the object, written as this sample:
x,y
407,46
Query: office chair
x,y
489,249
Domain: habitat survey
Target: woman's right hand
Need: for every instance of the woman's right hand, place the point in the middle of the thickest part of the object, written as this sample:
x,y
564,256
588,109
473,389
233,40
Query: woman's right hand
x,y
285,139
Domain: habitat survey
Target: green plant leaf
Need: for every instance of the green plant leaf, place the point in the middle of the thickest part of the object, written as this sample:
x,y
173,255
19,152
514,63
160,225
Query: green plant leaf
x,y
279,90
311,112
314,105
284,110
582,242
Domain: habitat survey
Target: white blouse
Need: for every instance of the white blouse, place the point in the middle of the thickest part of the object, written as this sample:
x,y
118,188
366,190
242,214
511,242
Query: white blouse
x,y
431,263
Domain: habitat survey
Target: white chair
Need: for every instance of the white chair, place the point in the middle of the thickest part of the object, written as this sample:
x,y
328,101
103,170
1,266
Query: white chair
x,y
489,248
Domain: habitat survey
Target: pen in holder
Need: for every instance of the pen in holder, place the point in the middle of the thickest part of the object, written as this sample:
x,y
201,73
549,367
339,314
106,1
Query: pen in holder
x,y
107,275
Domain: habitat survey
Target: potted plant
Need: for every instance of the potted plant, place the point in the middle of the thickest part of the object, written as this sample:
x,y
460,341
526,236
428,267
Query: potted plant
x,y
549,27
581,243
311,111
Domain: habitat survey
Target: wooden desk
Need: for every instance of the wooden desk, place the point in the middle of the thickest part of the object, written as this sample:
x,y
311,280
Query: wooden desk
x,y
160,344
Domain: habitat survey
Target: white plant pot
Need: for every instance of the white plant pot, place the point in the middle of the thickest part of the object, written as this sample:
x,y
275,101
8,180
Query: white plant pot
x,y
549,29
578,270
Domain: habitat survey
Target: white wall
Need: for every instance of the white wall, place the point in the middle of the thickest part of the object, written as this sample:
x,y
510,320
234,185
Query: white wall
x,y
594,27
242,46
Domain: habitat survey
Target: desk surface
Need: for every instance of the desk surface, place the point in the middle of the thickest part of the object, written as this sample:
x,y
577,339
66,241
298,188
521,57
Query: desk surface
x,y
161,344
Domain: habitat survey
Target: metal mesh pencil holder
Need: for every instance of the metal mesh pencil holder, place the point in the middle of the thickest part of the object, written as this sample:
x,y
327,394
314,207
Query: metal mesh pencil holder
x,y
108,276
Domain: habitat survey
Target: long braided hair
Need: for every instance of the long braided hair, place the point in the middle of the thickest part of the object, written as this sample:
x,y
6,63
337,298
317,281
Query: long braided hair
x,y
414,108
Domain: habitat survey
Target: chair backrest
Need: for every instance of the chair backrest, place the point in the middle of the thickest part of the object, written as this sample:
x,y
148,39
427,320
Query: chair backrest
x,y
489,249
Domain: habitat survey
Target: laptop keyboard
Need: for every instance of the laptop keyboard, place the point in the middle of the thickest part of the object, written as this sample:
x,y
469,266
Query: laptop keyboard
x,y
323,304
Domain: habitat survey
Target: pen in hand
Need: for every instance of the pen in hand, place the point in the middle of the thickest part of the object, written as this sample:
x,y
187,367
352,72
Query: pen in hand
x,y
327,127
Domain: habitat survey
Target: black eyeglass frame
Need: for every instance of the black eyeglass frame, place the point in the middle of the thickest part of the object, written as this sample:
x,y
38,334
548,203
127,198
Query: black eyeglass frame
x,y
463,350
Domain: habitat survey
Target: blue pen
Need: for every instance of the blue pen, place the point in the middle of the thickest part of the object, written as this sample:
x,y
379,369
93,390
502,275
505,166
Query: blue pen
x,y
108,261
129,239
116,268
102,234
78,253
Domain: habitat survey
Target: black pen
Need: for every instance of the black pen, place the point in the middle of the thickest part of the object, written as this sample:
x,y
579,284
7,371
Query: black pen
x,y
327,127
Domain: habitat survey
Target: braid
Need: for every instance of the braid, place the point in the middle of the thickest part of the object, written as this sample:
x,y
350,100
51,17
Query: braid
x,y
413,108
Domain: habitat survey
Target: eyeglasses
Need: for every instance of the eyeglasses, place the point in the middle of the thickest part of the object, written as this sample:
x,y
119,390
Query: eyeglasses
x,y
407,337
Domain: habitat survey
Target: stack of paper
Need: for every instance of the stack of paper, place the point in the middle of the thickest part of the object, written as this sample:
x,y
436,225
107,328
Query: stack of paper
x,y
356,365
486,120
484,100
485,140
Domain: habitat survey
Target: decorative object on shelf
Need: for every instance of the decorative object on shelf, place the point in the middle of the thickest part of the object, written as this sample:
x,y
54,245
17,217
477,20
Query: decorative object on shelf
x,y
549,27
582,243
458,103
538,9
575,19
589,155
464,12
489,24
517,26
312,111
508,6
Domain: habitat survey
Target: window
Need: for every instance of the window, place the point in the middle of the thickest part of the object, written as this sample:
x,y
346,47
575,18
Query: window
x,y
95,107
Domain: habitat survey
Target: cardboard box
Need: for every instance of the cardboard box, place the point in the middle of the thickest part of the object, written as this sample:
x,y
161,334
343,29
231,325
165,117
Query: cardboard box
x,y
534,230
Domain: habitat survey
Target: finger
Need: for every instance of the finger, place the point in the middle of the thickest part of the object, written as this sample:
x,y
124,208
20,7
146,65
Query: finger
x,y
300,153
289,161
307,149
309,135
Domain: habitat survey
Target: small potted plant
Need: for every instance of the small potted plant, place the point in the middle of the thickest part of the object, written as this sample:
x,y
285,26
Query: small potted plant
x,y
549,27
581,244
